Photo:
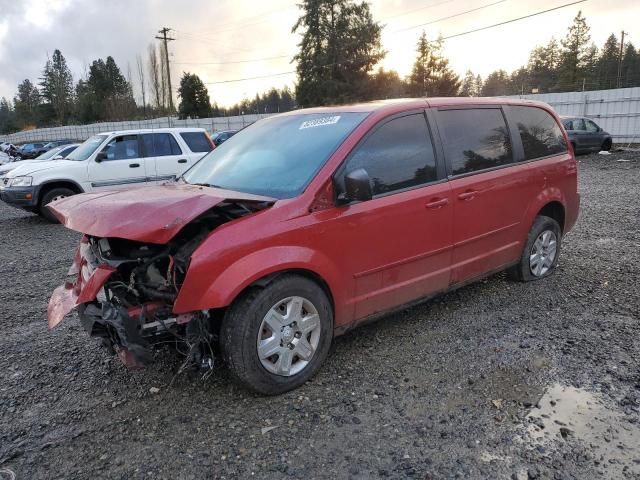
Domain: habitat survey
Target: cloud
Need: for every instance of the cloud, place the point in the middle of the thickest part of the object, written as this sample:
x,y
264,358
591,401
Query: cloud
x,y
237,30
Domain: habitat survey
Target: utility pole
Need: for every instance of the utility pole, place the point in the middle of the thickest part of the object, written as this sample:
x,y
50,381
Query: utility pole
x,y
163,31
619,83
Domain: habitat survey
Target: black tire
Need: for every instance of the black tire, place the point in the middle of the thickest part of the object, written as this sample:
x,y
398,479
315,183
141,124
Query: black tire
x,y
606,145
522,270
241,324
48,197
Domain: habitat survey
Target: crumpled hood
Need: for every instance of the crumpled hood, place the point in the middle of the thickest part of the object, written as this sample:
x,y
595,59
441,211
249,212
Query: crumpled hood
x,y
152,214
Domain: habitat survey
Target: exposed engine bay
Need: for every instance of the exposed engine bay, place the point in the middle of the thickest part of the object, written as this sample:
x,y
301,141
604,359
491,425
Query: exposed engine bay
x,y
133,310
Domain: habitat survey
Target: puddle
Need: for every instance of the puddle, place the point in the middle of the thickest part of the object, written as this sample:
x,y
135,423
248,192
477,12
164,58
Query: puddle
x,y
572,414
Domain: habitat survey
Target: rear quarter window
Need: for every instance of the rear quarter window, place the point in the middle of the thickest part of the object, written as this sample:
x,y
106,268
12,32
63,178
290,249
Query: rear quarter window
x,y
475,139
540,133
196,141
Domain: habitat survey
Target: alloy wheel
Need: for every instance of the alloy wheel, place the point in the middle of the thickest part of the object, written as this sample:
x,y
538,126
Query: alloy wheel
x,y
289,336
543,253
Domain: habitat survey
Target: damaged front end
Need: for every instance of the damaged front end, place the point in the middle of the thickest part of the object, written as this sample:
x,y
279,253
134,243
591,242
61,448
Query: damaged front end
x,y
124,290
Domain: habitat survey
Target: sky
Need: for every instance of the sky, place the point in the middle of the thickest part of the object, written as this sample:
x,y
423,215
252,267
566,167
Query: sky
x,y
227,40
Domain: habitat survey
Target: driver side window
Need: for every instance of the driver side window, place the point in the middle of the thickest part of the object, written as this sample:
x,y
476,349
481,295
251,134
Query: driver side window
x,y
398,155
591,127
123,147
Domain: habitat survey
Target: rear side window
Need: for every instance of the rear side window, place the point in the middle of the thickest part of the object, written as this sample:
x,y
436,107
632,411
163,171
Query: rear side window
x,y
540,133
196,141
475,139
397,155
160,145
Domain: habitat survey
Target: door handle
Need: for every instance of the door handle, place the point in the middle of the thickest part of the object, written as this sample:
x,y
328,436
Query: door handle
x,y
437,203
182,160
134,165
468,195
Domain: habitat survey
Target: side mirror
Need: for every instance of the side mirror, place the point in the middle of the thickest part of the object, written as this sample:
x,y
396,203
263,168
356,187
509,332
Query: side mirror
x,y
101,156
357,185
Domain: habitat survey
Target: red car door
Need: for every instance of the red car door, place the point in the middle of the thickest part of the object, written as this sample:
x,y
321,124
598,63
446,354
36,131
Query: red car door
x,y
490,192
396,247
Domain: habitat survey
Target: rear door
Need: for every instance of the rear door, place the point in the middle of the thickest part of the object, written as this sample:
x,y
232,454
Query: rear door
x,y
123,164
164,156
490,191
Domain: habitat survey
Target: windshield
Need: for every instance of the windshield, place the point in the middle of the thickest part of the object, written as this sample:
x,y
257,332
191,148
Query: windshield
x,y
277,156
49,154
85,149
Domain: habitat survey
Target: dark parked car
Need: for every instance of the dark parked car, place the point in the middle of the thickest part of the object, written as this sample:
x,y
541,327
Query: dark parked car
x,y
48,146
271,248
585,135
29,150
221,137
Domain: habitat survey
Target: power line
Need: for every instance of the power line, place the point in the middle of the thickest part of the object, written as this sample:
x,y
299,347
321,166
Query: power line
x,y
468,32
236,61
450,16
513,20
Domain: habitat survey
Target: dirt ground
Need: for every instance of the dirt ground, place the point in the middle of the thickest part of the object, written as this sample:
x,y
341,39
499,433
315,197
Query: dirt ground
x,y
495,380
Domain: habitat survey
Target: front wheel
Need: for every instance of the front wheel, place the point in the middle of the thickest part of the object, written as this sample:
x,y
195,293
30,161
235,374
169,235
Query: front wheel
x,y
540,255
606,145
276,338
52,196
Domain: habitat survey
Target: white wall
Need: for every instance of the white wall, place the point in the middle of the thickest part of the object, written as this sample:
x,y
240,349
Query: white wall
x,y
617,110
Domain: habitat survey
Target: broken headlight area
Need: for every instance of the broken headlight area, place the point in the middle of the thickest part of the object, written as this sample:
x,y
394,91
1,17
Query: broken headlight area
x,y
125,291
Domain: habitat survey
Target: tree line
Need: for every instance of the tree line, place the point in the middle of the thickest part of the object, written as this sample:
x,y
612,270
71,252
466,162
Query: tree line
x,y
338,62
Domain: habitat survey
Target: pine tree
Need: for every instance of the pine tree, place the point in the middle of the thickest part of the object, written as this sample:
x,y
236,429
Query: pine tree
x,y
194,97
468,86
340,45
574,53
57,86
608,63
630,66
496,83
26,104
431,75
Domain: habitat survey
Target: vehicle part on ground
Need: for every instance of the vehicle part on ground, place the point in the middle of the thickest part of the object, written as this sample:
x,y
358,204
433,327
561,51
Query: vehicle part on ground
x,y
541,251
265,349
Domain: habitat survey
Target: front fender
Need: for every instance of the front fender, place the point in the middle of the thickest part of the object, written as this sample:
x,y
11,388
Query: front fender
x,y
206,287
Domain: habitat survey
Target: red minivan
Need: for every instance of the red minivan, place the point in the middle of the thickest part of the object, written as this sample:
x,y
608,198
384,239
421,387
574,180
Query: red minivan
x,y
305,224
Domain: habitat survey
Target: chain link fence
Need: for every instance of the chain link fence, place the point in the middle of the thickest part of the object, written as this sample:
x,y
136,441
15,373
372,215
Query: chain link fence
x,y
82,132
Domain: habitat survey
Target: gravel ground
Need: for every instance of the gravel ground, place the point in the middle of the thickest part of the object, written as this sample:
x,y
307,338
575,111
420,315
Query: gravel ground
x,y
495,380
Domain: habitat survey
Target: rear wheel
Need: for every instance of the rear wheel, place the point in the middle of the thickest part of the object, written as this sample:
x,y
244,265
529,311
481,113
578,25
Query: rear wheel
x,y
606,145
276,338
51,196
540,255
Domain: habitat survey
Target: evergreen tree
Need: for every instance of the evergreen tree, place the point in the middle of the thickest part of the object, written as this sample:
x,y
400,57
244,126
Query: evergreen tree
x,y
386,84
194,97
608,63
26,104
575,48
630,66
543,67
6,117
340,45
431,75
496,83
57,86
468,85
106,94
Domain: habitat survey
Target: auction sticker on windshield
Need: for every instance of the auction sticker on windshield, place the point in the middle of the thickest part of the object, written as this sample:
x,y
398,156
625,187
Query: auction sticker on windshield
x,y
319,122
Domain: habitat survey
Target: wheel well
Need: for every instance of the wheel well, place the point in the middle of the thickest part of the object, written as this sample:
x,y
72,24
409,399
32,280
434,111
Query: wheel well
x,y
554,210
47,187
313,276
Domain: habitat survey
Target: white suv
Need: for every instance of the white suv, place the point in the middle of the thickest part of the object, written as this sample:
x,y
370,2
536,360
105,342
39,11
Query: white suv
x,y
106,161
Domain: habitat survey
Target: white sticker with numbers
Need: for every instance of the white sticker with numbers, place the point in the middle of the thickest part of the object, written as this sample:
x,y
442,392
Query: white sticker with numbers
x,y
319,122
